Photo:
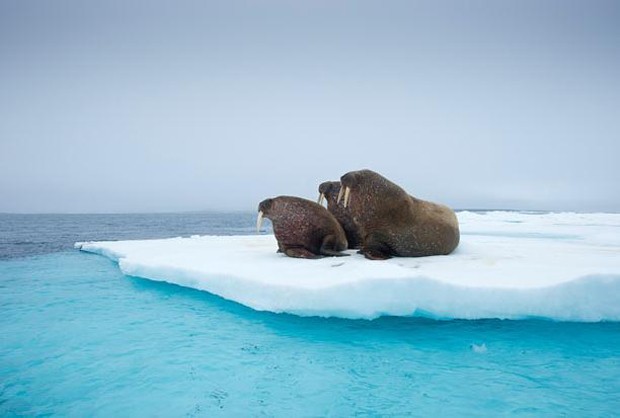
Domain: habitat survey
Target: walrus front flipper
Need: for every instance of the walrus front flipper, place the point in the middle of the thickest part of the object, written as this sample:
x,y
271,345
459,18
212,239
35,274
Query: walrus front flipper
x,y
330,245
300,252
375,248
375,255
333,253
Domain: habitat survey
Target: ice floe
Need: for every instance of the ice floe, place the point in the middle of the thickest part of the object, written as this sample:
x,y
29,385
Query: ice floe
x,y
559,266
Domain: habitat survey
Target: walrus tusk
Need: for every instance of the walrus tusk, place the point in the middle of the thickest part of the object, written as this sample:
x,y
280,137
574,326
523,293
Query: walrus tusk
x,y
259,221
321,198
339,196
347,196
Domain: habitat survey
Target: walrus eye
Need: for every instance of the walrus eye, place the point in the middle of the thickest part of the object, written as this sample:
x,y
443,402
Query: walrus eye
x,y
259,220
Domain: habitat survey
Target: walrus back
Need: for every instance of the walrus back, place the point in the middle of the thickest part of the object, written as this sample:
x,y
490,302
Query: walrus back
x,y
393,223
302,221
413,227
435,227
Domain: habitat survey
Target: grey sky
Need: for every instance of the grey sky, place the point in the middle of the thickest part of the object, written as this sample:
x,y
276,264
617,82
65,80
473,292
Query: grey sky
x,y
117,106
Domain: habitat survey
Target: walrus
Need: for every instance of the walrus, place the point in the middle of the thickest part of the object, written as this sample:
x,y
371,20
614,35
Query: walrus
x,y
329,190
303,228
393,223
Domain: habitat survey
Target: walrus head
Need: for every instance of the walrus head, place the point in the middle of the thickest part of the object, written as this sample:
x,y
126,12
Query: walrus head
x,y
359,181
328,190
366,186
264,210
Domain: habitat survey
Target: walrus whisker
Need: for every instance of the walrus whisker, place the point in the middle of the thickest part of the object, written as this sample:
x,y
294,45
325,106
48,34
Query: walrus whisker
x,y
259,220
321,198
347,196
339,195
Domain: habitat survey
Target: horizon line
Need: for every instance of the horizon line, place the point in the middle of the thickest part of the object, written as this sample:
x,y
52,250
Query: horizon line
x,y
219,211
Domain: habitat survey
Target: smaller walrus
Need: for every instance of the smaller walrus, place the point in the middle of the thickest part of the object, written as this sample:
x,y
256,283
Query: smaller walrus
x,y
303,228
392,223
330,190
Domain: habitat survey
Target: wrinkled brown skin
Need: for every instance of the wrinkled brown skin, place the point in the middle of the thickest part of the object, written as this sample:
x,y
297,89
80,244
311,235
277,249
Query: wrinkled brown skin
x,y
303,228
394,224
330,189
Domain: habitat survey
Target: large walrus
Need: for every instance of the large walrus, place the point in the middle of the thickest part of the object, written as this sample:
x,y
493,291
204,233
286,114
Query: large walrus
x,y
329,191
303,228
393,223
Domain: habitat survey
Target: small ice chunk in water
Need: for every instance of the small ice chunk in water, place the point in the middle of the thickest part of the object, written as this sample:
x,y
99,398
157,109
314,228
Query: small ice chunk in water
x,y
479,348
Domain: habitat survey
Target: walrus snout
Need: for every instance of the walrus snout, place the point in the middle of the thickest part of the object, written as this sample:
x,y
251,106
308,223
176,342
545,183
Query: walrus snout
x,y
263,209
352,180
347,181
327,188
353,177
265,205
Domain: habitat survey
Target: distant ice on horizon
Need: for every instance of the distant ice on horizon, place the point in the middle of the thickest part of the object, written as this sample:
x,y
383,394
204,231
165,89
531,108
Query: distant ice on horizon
x,y
509,265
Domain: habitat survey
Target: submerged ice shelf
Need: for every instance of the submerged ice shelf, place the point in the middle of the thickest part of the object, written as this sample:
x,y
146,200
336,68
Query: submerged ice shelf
x,y
561,266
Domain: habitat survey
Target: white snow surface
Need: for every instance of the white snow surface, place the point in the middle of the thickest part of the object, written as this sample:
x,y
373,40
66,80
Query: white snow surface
x,y
559,266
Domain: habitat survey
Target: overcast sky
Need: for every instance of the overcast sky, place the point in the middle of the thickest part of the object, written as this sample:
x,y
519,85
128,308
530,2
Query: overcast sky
x,y
129,106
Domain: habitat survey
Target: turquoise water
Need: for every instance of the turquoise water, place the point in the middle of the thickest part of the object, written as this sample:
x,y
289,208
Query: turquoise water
x,y
78,338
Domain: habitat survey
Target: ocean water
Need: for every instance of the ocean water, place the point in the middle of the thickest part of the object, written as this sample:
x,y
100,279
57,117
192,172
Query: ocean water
x,y
78,338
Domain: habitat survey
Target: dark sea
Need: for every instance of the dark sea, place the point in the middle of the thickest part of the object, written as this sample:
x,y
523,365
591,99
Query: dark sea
x,y
26,235
80,339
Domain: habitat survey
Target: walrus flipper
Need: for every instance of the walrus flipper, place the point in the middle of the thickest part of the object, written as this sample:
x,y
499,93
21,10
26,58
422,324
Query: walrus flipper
x,y
333,253
330,245
375,248
300,252
374,254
